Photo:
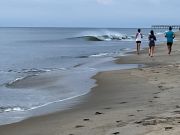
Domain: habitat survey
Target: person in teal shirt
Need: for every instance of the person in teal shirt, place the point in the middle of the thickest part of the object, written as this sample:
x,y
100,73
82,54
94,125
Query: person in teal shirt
x,y
170,37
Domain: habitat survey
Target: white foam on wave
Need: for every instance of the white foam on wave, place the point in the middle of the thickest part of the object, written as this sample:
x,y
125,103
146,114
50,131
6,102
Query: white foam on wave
x,y
57,101
11,109
159,33
16,80
99,55
14,109
103,35
26,73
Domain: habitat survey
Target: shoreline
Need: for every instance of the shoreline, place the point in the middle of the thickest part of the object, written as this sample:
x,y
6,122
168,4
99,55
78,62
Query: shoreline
x,y
54,106
123,99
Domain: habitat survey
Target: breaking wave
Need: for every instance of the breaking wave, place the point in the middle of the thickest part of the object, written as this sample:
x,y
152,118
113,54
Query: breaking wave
x,y
103,36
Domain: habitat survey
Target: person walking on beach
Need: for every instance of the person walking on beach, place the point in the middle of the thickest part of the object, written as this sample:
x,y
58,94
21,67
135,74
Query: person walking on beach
x,y
138,40
170,36
152,39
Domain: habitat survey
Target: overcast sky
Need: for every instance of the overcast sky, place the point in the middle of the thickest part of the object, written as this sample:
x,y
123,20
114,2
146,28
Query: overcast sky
x,y
89,13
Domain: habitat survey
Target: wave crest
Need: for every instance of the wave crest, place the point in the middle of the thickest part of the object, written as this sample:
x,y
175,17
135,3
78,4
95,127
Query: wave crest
x,y
103,36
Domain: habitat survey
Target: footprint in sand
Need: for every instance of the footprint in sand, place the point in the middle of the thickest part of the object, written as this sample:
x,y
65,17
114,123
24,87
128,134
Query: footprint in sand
x,y
122,102
156,93
147,121
157,72
160,86
107,108
177,106
98,113
138,122
139,110
153,120
177,112
168,128
162,83
79,126
150,101
164,88
121,124
131,115
118,121
116,133
86,119
140,69
156,97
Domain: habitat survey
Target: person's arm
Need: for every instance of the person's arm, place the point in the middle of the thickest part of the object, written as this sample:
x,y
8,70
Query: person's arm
x,y
174,36
155,38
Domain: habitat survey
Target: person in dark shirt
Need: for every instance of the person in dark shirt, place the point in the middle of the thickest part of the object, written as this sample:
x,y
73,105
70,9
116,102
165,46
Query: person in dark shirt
x,y
152,39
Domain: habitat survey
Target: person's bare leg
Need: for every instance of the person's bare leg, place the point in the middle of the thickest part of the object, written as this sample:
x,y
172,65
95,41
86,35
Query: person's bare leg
x,y
169,49
138,48
149,51
152,51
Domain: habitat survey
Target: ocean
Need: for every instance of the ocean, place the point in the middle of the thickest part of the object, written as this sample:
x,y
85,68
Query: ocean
x,y
44,66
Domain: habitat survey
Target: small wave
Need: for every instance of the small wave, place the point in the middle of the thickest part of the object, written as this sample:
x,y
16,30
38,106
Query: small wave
x,y
27,71
14,82
11,109
113,54
78,65
34,70
99,55
26,74
71,57
159,33
126,49
60,100
82,56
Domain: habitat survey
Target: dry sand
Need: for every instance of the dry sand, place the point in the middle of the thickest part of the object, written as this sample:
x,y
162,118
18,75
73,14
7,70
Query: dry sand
x,y
142,101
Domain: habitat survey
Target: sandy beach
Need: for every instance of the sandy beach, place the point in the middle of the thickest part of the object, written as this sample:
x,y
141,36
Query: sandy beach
x,y
141,101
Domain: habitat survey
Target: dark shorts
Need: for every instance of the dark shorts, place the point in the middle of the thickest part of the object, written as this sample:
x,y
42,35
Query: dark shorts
x,y
138,42
169,43
150,45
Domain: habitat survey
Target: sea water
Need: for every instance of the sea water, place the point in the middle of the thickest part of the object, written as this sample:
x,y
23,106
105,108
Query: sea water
x,y
43,66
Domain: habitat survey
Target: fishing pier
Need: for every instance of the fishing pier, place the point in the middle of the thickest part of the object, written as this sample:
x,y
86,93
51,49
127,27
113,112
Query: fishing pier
x,y
165,26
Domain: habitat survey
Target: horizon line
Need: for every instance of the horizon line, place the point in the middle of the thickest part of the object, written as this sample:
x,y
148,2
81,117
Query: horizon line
x,y
71,27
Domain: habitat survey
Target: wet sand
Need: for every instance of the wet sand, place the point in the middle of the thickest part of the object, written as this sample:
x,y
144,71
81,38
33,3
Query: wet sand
x,y
142,101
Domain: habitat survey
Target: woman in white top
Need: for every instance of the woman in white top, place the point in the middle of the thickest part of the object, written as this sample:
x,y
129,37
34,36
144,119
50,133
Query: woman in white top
x,y
138,40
